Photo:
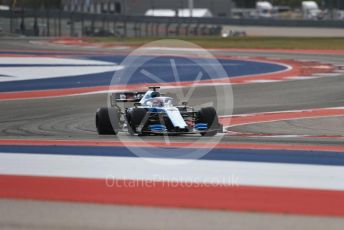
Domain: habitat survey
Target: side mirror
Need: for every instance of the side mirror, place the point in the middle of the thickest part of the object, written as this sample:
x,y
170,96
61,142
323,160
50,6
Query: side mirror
x,y
136,104
184,103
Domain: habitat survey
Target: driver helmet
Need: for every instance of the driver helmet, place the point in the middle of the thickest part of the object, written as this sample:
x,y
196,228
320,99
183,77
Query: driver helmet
x,y
158,102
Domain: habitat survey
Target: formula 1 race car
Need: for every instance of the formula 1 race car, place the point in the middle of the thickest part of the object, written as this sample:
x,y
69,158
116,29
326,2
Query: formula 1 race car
x,y
154,114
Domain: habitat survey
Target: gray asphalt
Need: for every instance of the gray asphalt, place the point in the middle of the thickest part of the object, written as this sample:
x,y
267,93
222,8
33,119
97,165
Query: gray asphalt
x,y
37,215
72,117
331,126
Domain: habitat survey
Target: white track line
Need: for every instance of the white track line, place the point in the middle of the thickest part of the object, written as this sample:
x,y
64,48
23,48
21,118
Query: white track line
x,y
302,77
196,171
48,67
262,81
327,74
284,111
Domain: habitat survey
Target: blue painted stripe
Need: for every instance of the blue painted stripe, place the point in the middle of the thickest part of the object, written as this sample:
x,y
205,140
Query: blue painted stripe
x,y
159,66
248,155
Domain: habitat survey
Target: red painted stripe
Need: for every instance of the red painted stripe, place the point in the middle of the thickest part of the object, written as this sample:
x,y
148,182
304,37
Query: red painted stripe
x,y
48,93
174,144
266,117
246,134
288,51
298,69
235,198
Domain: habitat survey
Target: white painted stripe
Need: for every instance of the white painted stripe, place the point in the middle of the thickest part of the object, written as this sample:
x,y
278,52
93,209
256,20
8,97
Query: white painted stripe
x,y
327,74
284,111
302,77
263,81
32,73
283,119
196,171
49,61
323,67
340,107
57,68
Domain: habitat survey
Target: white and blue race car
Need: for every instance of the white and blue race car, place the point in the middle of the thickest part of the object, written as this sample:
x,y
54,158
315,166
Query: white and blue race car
x,y
154,114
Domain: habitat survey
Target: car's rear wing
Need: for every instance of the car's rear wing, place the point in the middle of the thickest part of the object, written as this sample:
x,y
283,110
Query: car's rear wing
x,y
133,97
126,97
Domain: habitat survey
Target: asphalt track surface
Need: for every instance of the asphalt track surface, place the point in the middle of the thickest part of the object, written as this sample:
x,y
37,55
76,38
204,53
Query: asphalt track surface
x,y
72,117
34,215
320,126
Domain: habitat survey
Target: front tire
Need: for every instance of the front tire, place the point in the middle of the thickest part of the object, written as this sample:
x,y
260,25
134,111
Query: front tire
x,y
136,117
209,116
107,121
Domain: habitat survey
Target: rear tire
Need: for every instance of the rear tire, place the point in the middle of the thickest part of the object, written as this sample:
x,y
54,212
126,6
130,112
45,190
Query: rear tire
x,y
107,121
209,116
